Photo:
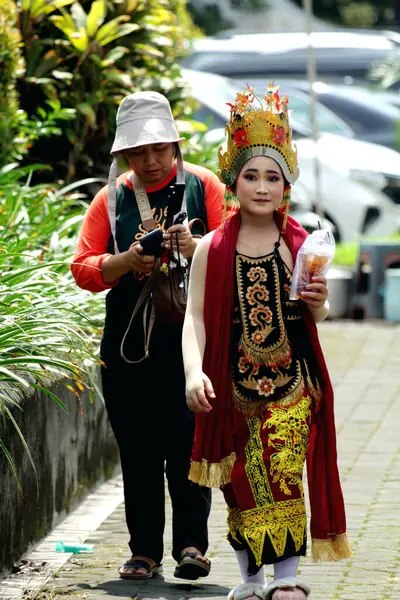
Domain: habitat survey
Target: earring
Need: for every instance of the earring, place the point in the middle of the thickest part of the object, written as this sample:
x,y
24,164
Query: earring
x,y
231,204
283,210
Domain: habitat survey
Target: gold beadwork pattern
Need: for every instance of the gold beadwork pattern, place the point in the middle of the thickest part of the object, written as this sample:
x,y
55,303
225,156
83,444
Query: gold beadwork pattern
x,y
288,434
274,521
234,521
258,129
273,517
255,466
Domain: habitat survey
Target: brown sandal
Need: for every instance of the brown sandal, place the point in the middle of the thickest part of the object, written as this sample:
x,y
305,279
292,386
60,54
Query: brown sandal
x,y
140,564
191,567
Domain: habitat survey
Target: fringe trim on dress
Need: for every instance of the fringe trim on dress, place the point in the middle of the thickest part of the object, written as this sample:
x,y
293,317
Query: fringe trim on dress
x,y
269,357
213,475
332,549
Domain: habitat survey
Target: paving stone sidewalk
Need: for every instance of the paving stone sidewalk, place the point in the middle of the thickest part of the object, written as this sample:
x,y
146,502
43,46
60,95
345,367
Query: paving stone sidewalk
x,y
364,362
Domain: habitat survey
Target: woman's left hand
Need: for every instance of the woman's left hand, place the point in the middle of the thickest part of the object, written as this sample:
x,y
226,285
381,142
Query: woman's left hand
x,y
317,292
187,245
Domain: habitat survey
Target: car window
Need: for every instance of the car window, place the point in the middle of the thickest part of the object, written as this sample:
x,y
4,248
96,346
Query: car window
x,y
360,114
339,62
211,119
327,121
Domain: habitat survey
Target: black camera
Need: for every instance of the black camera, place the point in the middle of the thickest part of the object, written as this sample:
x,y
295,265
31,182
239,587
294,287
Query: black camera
x,y
151,243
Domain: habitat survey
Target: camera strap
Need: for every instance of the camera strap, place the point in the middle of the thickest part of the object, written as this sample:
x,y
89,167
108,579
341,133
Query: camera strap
x,y
145,210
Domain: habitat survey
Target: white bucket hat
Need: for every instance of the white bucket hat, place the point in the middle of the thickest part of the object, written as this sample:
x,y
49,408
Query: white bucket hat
x,y
142,118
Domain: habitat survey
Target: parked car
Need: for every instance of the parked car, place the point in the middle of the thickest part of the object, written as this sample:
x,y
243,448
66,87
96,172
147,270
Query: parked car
x,y
211,92
359,181
350,111
341,56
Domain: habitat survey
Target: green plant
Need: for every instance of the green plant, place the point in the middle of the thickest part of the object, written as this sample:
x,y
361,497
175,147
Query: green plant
x,y
209,18
201,152
46,333
10,67
88,55
346,254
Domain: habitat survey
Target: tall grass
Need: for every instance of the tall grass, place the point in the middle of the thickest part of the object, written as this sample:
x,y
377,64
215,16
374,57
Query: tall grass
x,y
49,328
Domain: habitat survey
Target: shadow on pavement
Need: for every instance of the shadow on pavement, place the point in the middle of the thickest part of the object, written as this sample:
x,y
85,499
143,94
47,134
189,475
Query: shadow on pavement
x,y
156,588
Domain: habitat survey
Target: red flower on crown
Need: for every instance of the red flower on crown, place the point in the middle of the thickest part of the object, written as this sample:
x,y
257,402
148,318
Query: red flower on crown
x,y
279,135
240,137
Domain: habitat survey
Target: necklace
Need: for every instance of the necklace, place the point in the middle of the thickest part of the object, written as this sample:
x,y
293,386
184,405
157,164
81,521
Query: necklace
x,y
257,247
254,247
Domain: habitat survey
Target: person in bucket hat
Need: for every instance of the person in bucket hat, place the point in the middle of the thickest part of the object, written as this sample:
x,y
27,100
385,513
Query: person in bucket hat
x,y
145,398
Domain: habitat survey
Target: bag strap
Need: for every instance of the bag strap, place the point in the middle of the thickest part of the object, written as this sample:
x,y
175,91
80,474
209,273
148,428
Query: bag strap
x,y
142,199
146,294
112,200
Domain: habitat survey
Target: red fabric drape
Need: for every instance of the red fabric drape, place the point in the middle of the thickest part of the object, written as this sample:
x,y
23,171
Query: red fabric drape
x,y
213,450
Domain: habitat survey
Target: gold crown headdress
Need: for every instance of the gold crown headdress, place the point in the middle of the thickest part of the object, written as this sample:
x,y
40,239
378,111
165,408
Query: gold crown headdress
x,y
262,130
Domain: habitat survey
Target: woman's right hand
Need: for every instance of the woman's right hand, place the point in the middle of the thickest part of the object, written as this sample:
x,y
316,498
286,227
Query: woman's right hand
x,y
198,387
137,261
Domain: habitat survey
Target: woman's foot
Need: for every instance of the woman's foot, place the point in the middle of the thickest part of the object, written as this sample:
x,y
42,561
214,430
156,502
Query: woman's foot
x,y
192,564
193,550
247,591
293,593
289,588
139,567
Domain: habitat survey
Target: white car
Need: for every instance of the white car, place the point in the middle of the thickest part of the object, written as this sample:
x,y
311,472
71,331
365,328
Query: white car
x,y
352,173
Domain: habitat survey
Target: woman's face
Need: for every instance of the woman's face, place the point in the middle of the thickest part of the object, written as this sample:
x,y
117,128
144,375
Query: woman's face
x,y
152,163
259,186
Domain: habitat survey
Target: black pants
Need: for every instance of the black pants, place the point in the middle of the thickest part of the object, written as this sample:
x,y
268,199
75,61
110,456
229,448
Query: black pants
x,y
154,429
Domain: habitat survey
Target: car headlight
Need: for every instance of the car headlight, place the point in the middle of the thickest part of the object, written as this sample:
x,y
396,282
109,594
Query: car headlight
x,y
369,178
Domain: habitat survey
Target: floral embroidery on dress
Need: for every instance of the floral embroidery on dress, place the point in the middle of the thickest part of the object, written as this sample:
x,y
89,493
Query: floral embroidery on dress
x,y
257,313
257,293
264,368
265,386
257,274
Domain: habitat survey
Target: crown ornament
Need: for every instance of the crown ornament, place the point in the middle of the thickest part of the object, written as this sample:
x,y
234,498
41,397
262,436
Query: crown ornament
x,y
258,129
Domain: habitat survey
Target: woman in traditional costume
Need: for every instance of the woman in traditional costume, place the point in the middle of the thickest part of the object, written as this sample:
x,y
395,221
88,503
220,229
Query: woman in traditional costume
x,y
255,372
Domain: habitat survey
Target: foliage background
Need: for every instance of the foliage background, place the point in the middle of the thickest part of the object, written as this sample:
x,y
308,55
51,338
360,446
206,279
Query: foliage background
x,y
357,13
78,60
64,67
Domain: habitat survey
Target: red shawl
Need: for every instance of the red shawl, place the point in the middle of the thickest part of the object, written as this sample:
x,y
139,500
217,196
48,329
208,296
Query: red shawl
x,y
213,451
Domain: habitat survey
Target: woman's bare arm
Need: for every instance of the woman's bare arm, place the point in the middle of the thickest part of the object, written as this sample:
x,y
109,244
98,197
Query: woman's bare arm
x,y
194,335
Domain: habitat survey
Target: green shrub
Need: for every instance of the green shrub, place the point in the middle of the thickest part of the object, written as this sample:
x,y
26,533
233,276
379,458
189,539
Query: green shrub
x,y
87,56
49,328
10,67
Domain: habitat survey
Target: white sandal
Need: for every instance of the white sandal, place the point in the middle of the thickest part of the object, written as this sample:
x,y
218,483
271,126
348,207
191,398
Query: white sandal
x,y
290,588
245,591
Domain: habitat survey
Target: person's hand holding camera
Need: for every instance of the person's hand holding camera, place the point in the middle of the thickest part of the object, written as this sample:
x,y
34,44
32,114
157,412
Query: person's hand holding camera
x,y
181,240
136,260
114,266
